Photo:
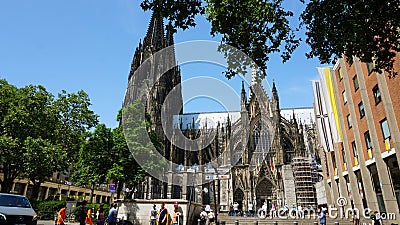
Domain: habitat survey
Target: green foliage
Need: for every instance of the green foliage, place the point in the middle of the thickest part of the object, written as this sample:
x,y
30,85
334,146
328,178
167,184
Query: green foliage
x,y
48,209
369,30
36,129
94,157
143,143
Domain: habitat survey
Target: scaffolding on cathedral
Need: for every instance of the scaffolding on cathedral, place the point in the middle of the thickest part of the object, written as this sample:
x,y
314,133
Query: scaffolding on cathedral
x,y
304,182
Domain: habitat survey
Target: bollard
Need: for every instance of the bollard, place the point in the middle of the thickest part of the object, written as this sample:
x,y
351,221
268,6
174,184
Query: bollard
x,y
295,223
315,223
255,222
198,222
237,222
336,223
275,222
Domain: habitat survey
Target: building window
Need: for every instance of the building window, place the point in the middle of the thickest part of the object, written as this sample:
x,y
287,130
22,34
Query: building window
x,y
340,73
344,97
355,82
355,152
370,67
344,155
385,129
349,123
361,109
367,138
377,94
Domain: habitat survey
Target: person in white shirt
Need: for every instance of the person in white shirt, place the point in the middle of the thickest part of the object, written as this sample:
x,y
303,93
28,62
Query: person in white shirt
x,y
203,217
264,209
236,208
300,212
250,208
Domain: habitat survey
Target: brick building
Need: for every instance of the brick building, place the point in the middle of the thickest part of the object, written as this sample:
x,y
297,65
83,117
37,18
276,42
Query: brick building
x,y
358,116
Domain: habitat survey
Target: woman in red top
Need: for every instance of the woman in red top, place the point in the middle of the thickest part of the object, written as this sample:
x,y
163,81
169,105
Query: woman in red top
x,y
89,217
62,214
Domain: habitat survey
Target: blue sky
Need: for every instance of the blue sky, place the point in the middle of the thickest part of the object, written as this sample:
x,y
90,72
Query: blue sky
x,y
89,45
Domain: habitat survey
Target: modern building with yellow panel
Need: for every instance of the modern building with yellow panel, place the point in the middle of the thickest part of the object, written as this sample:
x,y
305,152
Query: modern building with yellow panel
x,y
358,118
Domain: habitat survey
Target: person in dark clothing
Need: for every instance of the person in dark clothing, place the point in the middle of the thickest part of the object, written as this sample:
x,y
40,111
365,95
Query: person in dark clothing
x,y
162,219
82,213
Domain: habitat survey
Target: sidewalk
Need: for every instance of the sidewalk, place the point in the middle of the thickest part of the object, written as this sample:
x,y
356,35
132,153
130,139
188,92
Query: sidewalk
x,y
51,222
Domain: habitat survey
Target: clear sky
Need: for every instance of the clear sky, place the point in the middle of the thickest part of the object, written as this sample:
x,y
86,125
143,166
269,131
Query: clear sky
x,y
89,45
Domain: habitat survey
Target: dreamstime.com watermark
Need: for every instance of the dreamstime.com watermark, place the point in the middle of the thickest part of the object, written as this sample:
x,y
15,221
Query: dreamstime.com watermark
x,y
341,211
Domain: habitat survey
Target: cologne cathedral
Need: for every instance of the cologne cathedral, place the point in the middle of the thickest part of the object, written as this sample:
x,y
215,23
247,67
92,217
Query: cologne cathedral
x,y
255,147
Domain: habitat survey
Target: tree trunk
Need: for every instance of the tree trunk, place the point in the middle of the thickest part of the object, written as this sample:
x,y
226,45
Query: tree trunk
x,y
6,185
35,189
91,193
119,189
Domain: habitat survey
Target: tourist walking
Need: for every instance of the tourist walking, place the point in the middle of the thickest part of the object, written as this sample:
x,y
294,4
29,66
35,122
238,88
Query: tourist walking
x,y
88,219
176,220
211,218
112,215
61,215
153,215
82,213
163,218
203,217
100,215
236,208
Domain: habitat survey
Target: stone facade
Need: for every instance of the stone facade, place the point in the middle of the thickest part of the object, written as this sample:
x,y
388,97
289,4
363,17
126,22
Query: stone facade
x,y
255,144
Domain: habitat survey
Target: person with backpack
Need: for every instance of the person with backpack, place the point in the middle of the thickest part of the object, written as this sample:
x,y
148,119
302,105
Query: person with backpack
x,y
153,215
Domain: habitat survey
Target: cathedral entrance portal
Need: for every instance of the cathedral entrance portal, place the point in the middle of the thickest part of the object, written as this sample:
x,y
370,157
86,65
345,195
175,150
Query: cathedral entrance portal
x,y
264,193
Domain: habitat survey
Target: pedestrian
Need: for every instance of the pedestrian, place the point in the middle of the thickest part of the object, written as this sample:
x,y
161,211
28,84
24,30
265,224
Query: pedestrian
x,y
264,210
153,215
231,212
112,215
176,217
62,215
322,216
211,217
294,211
82,213
88,219
203,217
236,208
163,217
272,212
250,208
300,212
100,215
356,218
286,209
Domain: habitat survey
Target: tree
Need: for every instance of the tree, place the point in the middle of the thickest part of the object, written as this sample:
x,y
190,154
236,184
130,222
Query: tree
x,y
75,119
369,30
125,170
256,27
39,152
34,128
95,158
